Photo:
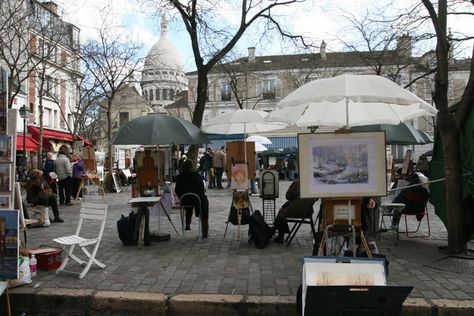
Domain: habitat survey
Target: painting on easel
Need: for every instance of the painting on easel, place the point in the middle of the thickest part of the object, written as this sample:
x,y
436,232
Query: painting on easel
x,y
9,226
342,164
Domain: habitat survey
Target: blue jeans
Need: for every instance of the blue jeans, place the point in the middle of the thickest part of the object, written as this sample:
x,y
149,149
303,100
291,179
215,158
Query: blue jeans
x,y
291,175
220,172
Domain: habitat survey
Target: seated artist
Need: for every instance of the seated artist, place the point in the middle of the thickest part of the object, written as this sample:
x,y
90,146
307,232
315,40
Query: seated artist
x,y
189,181
39,193
293,207
402,197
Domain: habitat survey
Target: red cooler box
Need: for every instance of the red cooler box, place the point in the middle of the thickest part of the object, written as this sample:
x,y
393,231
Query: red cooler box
x,y
48,258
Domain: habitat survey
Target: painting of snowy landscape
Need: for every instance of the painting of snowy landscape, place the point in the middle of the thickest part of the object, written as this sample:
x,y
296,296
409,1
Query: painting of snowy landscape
x,y
336,165
342,164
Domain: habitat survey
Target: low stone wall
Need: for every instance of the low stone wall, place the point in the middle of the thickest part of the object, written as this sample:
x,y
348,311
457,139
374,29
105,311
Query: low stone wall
x,y
81,302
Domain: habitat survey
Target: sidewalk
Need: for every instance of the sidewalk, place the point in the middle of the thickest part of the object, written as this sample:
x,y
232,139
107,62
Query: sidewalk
x,y
218,265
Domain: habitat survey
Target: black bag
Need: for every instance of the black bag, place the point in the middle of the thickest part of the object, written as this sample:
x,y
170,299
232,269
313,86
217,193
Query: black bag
x,y
260,232
234,213
126,229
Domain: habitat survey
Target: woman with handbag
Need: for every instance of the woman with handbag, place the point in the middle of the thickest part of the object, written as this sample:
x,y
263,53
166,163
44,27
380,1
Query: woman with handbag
x,y
39,193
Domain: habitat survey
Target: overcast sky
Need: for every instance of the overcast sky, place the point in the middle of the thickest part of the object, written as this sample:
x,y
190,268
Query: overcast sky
x,y
321,19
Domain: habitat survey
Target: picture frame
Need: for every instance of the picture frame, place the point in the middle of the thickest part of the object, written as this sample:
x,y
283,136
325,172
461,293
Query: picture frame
x,y
342,164
9,233
6,148
239,177
5,181
5,201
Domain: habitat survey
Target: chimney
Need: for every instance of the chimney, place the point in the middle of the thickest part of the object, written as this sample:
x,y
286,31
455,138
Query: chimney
x,y
51,6
251,57
404,45
322,50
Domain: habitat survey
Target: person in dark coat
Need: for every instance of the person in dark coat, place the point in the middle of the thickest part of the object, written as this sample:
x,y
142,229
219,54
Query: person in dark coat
x,y
189,181
48,172
293,207
38,193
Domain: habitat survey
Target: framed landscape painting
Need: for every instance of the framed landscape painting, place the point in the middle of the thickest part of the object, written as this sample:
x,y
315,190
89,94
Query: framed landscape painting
x,y
342,164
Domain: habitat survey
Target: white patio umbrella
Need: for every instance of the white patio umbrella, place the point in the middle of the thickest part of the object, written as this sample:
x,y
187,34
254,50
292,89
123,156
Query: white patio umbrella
x,y
259,147
350,100
259,139
241,121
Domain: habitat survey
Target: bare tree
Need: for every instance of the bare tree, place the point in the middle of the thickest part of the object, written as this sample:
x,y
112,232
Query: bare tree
x,y
112,60
451,125
213,37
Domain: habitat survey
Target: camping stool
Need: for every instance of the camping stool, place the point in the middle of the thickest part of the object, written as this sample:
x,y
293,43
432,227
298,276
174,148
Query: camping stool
x,y
44,210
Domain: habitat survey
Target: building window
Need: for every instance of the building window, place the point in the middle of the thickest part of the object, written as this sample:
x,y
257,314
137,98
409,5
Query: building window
x,y
48,86
269,89
47,117
146,94
171,94
151,94
123,119
157,94
226,91
165,94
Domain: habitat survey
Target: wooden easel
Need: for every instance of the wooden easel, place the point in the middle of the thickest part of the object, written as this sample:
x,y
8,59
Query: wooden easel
x,y
342,217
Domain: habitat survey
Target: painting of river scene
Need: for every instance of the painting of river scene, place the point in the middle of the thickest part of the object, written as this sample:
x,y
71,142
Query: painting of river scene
x,y
342,164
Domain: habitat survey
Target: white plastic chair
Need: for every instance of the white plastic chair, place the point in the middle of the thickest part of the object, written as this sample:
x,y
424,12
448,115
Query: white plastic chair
x,y
93,212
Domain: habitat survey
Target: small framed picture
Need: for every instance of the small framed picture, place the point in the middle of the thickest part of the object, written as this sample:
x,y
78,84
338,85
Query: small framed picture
x,y
5,148
5,177
5,202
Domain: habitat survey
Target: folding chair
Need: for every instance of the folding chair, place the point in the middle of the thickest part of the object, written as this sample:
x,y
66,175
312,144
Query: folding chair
x,y
308,219
416,205
183,205
93,212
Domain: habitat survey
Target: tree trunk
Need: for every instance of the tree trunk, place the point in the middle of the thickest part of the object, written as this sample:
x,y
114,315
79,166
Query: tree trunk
x,y
202,86
40,147
453,175
109,135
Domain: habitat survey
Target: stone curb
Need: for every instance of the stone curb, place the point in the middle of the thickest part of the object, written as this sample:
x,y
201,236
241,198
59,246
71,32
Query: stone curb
x,y
83,302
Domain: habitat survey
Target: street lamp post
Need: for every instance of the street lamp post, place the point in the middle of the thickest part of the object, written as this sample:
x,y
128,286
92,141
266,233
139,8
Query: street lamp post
x,y
24,112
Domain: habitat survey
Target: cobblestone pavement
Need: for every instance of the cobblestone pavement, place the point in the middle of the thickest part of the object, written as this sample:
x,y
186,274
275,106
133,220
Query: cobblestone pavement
x,y
226,266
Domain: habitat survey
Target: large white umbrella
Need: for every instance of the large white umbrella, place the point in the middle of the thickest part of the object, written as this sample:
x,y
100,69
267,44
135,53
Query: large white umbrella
x,y
259,139
350,100
241,121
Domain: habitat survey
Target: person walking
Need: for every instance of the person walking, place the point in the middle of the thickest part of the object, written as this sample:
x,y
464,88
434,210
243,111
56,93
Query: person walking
x,y
219,162
205,163
77,173
62,167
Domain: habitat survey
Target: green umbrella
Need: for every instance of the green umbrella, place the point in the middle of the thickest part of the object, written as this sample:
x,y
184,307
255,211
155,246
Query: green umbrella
x,y
159,129
401,134
290,150
427,138
272,152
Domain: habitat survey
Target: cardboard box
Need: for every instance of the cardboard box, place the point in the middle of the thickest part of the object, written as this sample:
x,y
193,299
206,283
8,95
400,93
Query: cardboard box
x,y
48,258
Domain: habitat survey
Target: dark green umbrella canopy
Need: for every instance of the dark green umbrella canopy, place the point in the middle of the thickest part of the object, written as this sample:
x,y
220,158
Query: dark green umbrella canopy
x,y
401,134
289,150
159,129
272,152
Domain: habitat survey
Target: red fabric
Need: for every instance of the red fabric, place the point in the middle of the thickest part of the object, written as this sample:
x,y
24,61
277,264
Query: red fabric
x,y
30,143
49,133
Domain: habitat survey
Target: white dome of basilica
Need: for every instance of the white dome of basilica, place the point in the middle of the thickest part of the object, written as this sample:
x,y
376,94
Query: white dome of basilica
x,y
163,76
163,55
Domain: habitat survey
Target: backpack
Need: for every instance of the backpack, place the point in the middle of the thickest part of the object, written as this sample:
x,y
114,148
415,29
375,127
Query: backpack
x,y
126,229
260,232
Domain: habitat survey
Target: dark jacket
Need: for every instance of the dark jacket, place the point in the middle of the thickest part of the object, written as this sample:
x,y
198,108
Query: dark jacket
x,y
189,181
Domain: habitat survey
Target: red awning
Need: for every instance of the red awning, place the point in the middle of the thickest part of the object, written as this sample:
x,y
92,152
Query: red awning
x,y
30,143
52,134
